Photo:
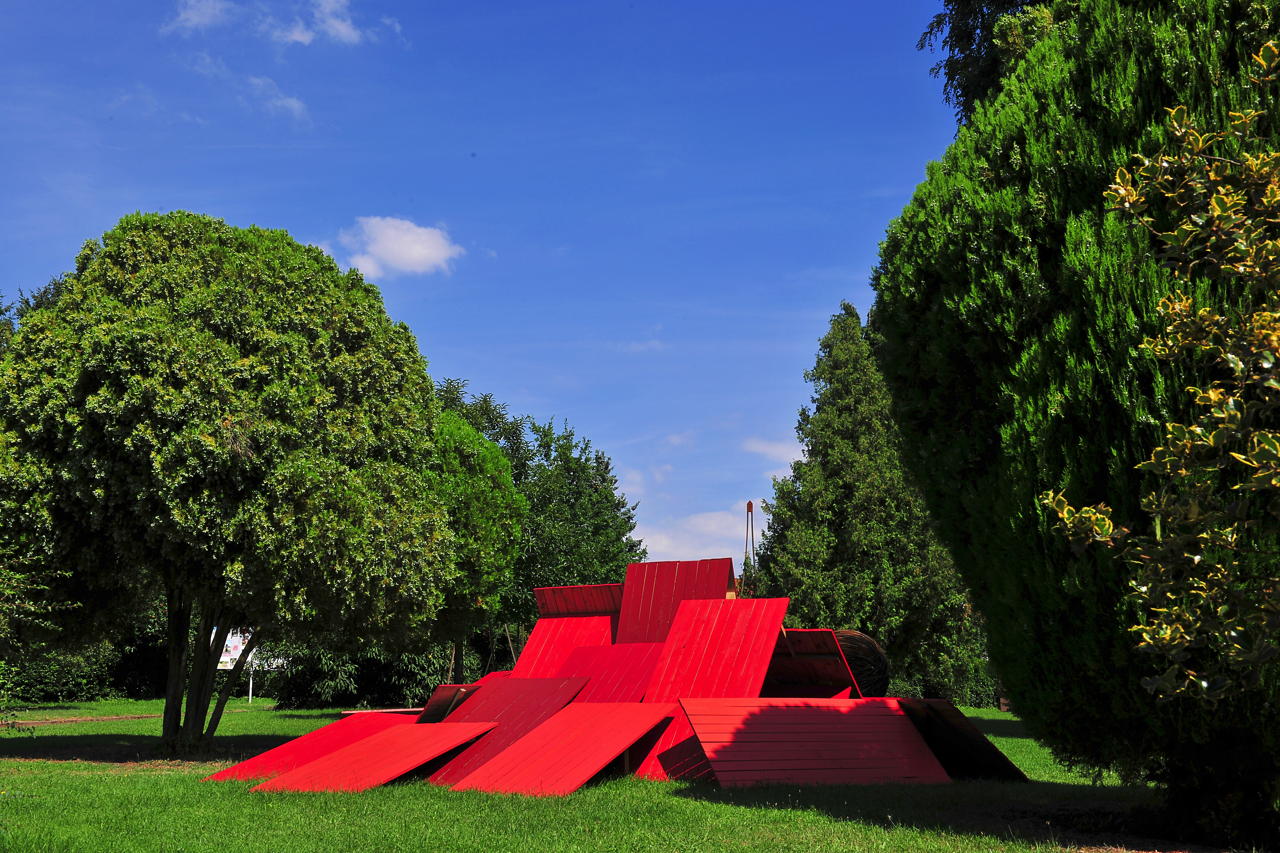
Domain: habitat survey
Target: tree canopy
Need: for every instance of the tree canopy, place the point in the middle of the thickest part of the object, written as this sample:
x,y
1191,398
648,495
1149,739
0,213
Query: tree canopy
x,y
221,414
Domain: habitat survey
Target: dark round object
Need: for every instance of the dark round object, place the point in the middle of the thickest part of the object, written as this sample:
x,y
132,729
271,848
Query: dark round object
x,y
867,661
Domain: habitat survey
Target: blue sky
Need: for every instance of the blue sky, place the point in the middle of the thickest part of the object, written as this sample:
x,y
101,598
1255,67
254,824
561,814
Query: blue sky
x,y
633,217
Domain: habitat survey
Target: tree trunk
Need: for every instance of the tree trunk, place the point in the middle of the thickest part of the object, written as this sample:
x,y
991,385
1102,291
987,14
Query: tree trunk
x,y
459,662
206,649
178,618
233,678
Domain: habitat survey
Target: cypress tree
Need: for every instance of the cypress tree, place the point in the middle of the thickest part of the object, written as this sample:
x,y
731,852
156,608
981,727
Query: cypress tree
x,y
1012,306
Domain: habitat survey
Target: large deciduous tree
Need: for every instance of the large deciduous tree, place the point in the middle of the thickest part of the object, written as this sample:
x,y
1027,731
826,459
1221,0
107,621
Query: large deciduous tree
x,y
849,539
222,415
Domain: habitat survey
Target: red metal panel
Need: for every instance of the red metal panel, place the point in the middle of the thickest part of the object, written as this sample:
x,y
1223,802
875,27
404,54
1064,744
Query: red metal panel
x,y
617,673
652,594
312,745
808,658
567,750
377,759
811,742
444,699
517,705
554,638
578,600
716,648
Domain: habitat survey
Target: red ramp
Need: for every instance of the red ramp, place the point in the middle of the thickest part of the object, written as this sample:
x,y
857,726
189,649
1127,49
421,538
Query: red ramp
x,y
811,742
554,638
616,673
377,759
566,751
716,648
312,745
517,705
578,600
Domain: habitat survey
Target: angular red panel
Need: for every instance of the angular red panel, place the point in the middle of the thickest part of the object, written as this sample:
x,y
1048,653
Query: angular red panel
x,y
718,648
312,745
563,753
377,759
578,600
554,638
517,705
444,699
805,659
653,592
617,673
811,742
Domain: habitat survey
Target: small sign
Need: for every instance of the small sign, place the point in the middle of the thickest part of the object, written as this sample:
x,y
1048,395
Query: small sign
x,y
231,651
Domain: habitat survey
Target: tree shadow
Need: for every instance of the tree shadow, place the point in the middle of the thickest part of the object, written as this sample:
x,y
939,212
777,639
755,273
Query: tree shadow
x,y
1033,812
127,748
1000,728
869,764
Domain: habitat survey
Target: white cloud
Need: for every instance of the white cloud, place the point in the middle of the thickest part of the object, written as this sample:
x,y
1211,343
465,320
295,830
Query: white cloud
x,y
386,246
703,535
295,33
330,19
778,451
267,93
631,483
334,20
678,439
199,15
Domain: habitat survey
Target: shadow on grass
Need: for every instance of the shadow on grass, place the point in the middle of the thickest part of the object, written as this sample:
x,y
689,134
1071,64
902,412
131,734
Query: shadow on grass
x,y
1000,728
123,748
1036,812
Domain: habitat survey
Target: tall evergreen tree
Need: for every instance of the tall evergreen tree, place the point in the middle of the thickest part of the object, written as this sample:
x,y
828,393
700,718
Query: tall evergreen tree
x,y
1012,306
849,539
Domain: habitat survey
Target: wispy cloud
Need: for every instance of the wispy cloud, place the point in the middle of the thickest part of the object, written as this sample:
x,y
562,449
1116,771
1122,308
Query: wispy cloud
x,y
784,452
699,536
387,246
679,439
329,19
195,15
651,345
266,92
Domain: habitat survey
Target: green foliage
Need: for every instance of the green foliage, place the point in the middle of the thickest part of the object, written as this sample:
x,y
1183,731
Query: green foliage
x,y
981,39
485,515
53,674
378,677
850,541
578,529
220,414
1012,305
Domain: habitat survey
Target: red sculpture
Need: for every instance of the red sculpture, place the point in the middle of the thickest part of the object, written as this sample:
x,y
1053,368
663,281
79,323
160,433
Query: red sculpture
x,y
669,672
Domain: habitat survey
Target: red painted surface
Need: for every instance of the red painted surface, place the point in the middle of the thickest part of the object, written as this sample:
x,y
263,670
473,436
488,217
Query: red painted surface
x,y
652,594
554,638
617,673
578,600
312,745
517,705
377,759
567,750
811,742
716,648
805,658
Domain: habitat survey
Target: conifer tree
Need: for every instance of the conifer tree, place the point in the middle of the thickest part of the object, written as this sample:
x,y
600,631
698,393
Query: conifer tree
x,y
850,541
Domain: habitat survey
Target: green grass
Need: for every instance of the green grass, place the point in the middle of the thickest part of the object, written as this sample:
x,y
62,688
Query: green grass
x,y
95,785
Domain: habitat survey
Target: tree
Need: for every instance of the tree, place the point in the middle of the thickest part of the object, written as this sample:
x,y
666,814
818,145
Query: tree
x,y
1012,304
222,415
485,514
1202,574
980,39
578,529
849,539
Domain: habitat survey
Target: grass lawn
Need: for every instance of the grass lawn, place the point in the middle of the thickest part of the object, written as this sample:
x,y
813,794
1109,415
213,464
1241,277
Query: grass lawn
x,y
95,786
